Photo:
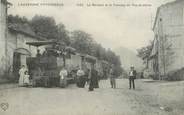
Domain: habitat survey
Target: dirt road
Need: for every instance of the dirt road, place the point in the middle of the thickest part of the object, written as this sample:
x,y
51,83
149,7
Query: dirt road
x,y
149,98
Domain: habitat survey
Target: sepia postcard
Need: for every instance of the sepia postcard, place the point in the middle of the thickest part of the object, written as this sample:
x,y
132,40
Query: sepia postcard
x,y
91,57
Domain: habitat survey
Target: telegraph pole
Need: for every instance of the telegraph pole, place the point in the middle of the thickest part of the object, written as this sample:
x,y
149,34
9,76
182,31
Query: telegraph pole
x,y
6,35
162,37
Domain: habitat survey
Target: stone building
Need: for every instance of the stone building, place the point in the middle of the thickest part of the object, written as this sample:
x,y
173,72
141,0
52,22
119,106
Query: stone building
x,y
3,34
168,49
13,38
17,49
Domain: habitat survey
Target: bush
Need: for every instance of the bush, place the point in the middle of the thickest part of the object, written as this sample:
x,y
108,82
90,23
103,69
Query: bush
x,y
176,75
154,76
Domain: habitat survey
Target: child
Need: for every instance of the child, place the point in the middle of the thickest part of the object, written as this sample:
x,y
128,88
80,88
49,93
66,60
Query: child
x,y
26,78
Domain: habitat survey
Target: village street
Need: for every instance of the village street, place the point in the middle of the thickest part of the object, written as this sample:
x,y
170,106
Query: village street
x,y
149,98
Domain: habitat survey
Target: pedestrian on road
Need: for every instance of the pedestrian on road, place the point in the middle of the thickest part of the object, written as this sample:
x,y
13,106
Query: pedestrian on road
x,y
96,80
132,77
93,78
63,77
87,74
81,78
112,77
22,75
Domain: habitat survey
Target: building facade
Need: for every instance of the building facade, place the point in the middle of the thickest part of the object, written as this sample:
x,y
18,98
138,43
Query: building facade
x,y
17,49
168,48
3,30
13,38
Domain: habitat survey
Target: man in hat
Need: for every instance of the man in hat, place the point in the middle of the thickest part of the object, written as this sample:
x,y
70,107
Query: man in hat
x,y
38,53
132,77
93,80
112,77
80,78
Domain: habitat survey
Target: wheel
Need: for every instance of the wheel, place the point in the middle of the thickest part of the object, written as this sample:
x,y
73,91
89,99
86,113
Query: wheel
x,y
49,82
46,83
34,83
63,83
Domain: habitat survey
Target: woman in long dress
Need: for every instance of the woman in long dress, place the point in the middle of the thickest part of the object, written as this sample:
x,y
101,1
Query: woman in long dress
x,y
22,74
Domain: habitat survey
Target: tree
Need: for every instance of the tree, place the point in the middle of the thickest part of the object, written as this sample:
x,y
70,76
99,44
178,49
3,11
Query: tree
x,y
17,19
81,41
84,43
62,34
112,58
44,26
145,52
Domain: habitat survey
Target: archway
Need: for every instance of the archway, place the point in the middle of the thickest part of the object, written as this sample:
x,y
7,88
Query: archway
x,y
19,58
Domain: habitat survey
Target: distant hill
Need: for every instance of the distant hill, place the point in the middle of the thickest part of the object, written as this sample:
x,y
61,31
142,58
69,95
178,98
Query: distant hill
x,y
129,58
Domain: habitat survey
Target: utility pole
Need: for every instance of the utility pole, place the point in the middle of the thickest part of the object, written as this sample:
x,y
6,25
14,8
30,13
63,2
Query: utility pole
x,y
6,35
162,41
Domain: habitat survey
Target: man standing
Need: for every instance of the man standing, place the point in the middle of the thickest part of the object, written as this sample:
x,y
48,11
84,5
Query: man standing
x,y
132,77
112,77
80,78
92,78
87,75
63,77
38,53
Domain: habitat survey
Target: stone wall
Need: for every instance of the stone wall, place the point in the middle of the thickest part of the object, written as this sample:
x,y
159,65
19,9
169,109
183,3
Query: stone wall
x,y
17,40
2,37
170,32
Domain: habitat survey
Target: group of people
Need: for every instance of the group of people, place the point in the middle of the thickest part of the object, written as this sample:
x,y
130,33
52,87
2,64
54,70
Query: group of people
x,y
90,76
24,76
132,76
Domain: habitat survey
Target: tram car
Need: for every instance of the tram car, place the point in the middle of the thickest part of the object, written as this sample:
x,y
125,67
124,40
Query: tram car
x,y
44,68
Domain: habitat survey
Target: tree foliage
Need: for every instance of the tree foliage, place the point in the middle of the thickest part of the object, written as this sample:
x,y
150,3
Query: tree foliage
x,y
17,19
82,41
44,26
62,34
145,52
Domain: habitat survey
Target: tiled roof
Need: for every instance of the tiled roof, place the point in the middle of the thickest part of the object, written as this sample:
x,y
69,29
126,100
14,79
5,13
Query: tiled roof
x,y
24,29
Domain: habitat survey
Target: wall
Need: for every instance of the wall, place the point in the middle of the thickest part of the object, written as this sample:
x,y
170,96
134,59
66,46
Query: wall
x,y
17,40
2,36
170,33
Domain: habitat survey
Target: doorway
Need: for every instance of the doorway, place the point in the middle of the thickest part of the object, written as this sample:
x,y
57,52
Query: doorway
x,y
16,65
19,58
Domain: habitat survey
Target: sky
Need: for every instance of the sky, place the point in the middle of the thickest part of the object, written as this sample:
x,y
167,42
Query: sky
x,y
111,26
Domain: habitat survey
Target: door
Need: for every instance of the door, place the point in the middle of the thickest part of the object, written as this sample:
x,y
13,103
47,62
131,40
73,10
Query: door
x,y
19,59
16,64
